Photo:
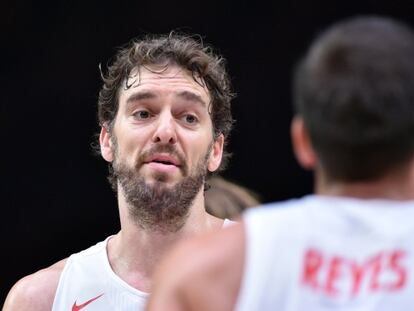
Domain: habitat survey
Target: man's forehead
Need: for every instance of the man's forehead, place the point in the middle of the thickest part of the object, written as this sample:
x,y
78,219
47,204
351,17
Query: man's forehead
x,y
155,82
169,75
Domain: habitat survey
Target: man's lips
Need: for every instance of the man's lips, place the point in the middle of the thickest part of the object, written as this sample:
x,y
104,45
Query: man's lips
x,y
163,159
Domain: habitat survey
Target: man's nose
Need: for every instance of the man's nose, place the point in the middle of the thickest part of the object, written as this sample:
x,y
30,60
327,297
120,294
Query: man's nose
x,y
165,131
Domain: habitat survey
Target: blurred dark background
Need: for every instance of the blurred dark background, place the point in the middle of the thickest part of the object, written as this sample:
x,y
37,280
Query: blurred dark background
x,y
55,197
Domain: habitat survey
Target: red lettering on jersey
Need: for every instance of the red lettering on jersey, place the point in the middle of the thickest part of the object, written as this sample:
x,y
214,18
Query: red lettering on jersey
x,y
357,272
396,266
312,264
336,275
375,264
333,275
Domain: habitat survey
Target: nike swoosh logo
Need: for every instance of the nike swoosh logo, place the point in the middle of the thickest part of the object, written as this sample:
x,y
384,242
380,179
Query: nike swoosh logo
x,y
76,307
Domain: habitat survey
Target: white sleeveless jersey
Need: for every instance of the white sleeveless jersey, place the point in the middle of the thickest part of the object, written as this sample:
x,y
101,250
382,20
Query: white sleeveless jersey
x,y
88,280
88,283
329,253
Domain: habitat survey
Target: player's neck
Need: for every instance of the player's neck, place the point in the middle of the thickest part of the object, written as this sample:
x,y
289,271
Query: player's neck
x,y
134,252
398,185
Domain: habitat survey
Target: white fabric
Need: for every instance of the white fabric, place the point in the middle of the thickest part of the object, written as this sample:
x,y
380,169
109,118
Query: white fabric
x,y
87,275
329,253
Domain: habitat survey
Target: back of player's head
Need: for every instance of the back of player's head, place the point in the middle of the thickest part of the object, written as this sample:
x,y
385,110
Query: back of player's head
x,y
355,92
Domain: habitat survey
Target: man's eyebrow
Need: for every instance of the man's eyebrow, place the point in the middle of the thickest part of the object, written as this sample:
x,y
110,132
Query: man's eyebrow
x,y
190,96
140,96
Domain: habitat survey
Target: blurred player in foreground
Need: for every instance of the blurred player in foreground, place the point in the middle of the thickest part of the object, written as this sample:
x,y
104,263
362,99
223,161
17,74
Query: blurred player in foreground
x,y
349,246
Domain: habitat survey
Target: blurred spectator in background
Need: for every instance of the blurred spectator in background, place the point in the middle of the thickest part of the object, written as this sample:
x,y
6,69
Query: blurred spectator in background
x,y
226,199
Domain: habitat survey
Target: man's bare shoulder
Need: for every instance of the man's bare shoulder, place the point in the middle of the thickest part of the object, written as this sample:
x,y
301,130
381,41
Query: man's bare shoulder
x,y
203,273
216,250
36,291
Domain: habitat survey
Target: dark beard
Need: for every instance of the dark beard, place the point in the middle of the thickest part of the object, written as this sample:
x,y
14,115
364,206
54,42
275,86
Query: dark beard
x,y
157,207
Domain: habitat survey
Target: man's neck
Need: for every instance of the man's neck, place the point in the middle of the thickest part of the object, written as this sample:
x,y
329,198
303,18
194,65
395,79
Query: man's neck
x,y
398,185
134,252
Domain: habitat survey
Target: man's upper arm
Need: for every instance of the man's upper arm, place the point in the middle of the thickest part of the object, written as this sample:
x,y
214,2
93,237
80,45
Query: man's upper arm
x,y
203,273
35,292
169,280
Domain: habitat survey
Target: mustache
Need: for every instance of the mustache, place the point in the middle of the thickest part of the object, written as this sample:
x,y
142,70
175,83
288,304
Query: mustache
x,y
166,148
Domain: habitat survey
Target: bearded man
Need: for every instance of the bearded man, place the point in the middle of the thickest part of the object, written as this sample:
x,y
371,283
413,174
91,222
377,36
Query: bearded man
x,y
164,111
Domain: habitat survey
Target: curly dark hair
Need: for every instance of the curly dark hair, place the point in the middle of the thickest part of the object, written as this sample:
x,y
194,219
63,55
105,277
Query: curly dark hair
x,y
188,52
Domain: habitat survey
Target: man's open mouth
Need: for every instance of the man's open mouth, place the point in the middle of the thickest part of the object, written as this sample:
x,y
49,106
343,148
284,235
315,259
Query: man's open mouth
x,y
163,159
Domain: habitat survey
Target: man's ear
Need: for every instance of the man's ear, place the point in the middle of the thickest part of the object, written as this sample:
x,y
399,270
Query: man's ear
x,y
106,144
216,154
302,145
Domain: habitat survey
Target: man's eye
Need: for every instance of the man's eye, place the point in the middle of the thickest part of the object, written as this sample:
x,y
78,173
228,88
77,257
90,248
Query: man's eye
x,y
142,114
190,119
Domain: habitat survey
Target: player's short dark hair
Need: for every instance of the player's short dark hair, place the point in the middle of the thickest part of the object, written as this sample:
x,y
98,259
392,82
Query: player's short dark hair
x,y
355,92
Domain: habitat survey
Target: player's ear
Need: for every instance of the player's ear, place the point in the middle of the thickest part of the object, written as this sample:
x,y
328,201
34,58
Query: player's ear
x,y
302,145
106,144
216,154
